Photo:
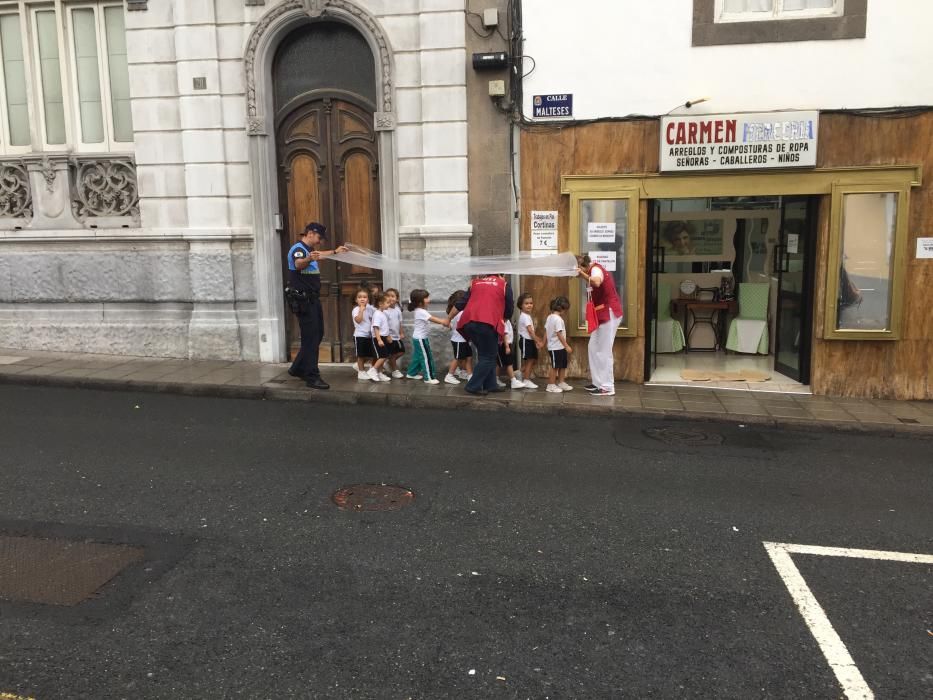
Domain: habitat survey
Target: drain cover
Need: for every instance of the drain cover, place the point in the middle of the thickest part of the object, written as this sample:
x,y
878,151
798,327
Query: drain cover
x,y
373,497
57,571
684,436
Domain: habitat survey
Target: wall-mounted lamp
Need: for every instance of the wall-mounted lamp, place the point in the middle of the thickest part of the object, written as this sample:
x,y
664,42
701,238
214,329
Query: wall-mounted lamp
x,y
689,103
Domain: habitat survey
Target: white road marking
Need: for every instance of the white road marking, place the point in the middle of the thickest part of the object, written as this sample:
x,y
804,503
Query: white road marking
x,y
830,643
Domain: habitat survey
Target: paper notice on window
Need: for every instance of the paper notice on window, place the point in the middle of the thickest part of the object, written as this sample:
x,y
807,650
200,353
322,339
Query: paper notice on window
x,y
793,242
600,232
544,230
924,248
606,258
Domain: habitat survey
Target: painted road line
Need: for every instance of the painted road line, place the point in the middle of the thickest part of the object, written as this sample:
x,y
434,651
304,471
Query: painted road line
x,y
832,646
11,696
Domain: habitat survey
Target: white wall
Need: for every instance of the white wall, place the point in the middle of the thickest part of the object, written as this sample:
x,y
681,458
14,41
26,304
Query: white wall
x,y
621,57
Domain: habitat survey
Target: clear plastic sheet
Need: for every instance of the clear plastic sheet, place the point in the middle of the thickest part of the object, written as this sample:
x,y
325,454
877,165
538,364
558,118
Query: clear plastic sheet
x,y
556,265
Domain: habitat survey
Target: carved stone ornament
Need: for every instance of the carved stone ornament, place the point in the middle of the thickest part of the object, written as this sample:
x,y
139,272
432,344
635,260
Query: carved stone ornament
x,y
255,126
104,187
15,193
385,121
48,174
316,9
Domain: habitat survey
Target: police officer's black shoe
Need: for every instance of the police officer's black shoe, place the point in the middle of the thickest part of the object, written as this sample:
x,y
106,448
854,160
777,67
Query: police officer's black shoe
x,y
295,373
316,383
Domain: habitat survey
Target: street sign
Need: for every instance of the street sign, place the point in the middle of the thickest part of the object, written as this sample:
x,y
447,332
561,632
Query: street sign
x,y
553,106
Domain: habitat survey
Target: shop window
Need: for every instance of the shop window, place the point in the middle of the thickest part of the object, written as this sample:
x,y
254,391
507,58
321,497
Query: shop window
x,y
605,228
866,263
717,22
74,57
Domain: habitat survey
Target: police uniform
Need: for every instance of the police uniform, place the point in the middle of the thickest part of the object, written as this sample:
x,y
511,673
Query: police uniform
x,y
306,282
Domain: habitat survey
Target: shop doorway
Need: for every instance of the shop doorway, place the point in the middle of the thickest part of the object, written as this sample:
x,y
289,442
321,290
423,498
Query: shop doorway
x,y
730,292
328,163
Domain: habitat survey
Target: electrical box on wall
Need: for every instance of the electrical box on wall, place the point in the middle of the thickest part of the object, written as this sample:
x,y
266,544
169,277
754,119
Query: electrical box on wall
x,y
493,60
497,88
491,17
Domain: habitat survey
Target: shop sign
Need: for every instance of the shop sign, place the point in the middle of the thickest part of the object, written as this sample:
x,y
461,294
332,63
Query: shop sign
x,y
739,141
924,248
553,106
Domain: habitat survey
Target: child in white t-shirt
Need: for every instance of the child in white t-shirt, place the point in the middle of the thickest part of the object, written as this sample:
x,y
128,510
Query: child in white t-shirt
x,y
528,341
557,346
506,356
381,339
461,366
394,312
422,361
362,331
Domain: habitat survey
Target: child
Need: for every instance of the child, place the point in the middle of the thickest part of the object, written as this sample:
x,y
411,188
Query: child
x,y
422,360
557,346
381,339
463,353
394,312
528,341
506,357
362,322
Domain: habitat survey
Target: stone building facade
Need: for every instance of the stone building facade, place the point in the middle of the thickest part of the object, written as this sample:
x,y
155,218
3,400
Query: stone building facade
x,y
245,118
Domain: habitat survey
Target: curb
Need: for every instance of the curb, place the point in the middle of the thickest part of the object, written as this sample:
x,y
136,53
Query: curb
x,y
423,401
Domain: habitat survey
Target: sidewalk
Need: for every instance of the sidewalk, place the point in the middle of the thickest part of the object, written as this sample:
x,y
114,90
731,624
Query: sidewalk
x,y
265,381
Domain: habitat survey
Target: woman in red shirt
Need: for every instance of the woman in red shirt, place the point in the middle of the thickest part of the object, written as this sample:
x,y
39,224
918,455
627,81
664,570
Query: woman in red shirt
x,y
609,314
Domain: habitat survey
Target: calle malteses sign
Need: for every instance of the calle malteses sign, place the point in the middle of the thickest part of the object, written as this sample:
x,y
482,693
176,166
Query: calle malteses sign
x,y
739,141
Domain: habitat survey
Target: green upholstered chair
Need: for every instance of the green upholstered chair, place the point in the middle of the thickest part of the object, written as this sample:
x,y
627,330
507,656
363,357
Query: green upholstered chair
x,y
748,331
670,334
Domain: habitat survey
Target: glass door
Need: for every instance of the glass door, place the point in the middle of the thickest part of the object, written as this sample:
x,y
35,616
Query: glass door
x,y
655,268
792,262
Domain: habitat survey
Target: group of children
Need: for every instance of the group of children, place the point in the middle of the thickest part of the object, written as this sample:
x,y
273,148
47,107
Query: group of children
x,y
379,338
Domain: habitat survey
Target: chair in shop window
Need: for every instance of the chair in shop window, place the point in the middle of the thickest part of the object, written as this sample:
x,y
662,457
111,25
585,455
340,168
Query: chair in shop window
x,y
748,332
670,333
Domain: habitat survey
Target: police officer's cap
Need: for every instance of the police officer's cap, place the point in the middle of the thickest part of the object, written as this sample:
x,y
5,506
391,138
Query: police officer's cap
x,y
315,227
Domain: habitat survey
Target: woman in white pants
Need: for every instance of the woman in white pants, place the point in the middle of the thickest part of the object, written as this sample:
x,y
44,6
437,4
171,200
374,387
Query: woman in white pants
x,y
605,298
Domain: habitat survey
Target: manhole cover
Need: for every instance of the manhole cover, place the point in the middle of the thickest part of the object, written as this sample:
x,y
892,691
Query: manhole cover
x,y
684,436
57,571
372,497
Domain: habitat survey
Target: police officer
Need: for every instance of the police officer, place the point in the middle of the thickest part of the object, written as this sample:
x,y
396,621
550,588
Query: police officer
x,y
304,288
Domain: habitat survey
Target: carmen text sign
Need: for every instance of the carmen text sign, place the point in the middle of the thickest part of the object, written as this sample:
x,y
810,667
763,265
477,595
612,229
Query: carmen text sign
x,y
739,141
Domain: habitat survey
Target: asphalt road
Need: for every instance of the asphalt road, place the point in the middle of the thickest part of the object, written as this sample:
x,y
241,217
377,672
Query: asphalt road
x,y
541,558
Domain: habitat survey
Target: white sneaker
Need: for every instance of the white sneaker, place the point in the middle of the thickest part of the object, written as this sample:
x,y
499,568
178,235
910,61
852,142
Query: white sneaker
x,y
565,386
451,379
362,375
373,374
517,383
554,389
519,377
528,384
431,381
413,376
461,374
385,378
499,384
397,374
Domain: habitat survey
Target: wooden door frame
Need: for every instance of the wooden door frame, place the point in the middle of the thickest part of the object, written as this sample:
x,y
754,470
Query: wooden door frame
x,y
268,33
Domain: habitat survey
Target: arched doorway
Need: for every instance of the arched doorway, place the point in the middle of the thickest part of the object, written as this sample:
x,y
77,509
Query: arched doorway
x,y
327,159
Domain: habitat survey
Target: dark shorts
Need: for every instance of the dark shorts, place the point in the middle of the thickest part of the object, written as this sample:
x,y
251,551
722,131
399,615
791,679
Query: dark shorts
x,y
558,358
528,348
461,350
364,347
398,347
503,359
381,351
